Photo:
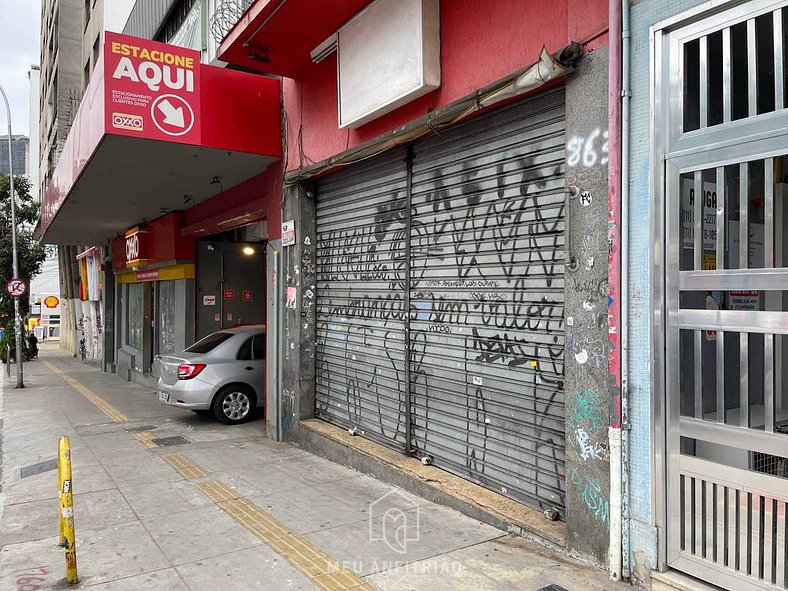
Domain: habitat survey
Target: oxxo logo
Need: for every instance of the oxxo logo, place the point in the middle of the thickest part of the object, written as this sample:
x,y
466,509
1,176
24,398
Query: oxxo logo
x,y
133,247
125,121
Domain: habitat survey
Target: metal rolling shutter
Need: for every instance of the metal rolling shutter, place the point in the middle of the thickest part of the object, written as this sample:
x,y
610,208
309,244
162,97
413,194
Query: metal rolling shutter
x,y
360,363
487,335
486,342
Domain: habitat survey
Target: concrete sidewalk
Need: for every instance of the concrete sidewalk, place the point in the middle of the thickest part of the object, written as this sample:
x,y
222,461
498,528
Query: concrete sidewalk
x,y
166,499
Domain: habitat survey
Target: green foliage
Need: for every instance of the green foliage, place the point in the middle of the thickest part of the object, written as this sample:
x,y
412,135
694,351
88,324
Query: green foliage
x,y
29,251
8,340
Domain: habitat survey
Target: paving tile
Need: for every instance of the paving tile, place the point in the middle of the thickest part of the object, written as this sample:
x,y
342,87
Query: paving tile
x,y
41,559
399,538
137,467
44,486
505,564
163,497
211,533
254,569
370,496
316,470
307,510
160,580
117,552
39,519
268,479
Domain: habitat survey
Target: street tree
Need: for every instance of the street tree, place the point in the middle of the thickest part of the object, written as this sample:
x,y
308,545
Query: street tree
x,y
30,253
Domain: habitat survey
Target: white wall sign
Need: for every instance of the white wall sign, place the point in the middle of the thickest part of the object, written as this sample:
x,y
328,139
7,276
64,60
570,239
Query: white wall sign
x,y
288,233
209,300
387,56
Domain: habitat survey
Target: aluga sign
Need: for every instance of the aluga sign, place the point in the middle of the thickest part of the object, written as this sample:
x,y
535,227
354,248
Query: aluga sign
x,y
151,89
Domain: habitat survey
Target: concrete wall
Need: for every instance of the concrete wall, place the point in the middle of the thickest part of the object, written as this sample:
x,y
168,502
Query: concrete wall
x,y
586,387
643,531
298,344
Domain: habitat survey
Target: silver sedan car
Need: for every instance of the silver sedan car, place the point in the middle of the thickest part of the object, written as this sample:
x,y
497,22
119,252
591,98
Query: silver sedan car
x,y
224,373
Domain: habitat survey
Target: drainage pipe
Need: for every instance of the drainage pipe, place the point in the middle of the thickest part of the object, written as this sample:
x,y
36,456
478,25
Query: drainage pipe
x,y
615,12
626,94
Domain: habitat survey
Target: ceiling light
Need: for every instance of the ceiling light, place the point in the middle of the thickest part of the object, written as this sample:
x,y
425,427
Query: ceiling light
x,y
248,250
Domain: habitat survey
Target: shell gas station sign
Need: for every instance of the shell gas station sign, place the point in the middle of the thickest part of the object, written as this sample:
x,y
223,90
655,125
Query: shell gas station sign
x,y
152,89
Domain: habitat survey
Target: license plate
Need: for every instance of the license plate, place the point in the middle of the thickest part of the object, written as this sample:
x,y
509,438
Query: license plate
x,y
164,396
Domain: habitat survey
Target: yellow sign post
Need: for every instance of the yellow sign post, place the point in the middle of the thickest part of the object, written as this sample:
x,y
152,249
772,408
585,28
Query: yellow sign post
x,y
67,510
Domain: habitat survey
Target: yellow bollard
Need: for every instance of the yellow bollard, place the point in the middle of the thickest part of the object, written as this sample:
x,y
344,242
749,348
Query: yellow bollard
x,y
67,509
62,541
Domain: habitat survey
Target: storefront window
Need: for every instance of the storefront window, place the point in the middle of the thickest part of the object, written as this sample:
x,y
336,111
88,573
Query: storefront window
x,y
168,317
134,315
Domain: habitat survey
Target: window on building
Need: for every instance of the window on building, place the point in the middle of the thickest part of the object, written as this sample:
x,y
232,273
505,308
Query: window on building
x,y
86,76
87,13
96,50
134,315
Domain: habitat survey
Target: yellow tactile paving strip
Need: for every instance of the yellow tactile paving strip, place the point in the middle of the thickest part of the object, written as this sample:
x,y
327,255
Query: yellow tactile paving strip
x,y
185,467
146,439
113,413
322,570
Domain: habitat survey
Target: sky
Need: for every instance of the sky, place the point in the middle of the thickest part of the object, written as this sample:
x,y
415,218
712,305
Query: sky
x,y
19,32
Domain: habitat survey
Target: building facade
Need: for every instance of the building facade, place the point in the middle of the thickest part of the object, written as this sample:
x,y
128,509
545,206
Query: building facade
x,y
429,270
475,239
707,400
20,148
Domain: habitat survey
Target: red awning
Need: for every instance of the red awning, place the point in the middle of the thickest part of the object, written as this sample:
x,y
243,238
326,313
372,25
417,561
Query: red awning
x,y
277,36
157,131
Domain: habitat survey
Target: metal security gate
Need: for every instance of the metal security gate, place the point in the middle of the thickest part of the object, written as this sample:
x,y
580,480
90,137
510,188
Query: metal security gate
x,y
475,221
360,380
723,130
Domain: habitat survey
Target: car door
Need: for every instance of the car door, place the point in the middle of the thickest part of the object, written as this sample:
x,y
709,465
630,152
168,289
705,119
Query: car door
x,y
251,358
258,362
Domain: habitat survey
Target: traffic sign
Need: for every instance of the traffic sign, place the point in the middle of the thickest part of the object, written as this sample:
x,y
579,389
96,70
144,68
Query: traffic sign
x,y
16,288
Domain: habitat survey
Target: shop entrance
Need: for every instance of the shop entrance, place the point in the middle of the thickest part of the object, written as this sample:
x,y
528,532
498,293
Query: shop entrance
x,y
231,279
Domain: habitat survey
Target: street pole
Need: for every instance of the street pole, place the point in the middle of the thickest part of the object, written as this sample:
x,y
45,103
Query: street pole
x,y
20,383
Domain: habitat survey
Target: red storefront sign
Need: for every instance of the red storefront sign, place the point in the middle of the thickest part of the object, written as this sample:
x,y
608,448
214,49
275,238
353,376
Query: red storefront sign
x,y
136,248
248,295
229,294
152,89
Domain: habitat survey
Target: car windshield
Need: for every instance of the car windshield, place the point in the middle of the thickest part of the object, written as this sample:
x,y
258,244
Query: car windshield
x,y
209,343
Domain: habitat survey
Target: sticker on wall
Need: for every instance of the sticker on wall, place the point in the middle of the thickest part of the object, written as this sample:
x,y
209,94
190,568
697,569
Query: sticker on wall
x,y
217,317
247,294
229,316
229,294
586,198
209,300
291,297
288,233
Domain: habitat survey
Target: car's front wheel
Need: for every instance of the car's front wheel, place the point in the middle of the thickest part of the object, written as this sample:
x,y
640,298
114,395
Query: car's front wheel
x,y
233,404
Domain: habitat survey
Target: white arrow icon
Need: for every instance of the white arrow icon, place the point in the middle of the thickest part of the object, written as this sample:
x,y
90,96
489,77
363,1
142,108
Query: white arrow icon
x,y
172,115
